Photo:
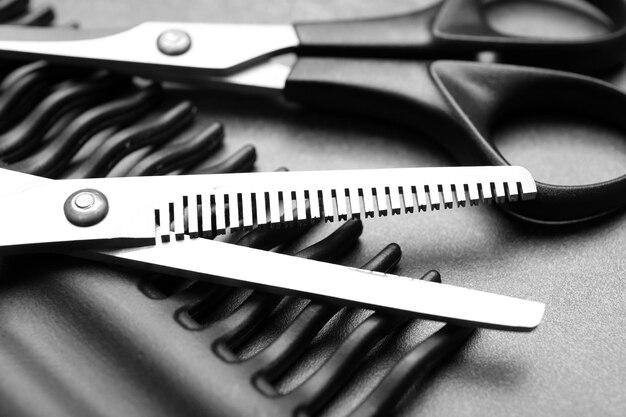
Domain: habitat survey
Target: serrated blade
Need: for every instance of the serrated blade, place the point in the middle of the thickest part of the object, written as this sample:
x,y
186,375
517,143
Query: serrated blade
x,y
290,198
142,210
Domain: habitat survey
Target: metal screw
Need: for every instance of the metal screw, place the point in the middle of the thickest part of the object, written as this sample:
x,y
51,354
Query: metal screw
x,y
86,207
174,42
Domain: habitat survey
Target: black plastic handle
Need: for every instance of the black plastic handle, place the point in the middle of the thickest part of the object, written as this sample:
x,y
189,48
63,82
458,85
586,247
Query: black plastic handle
x,y
458,29
458,104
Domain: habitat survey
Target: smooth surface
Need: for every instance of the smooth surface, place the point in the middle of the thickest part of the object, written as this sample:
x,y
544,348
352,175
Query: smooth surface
x,y
129,49
573,364
240,266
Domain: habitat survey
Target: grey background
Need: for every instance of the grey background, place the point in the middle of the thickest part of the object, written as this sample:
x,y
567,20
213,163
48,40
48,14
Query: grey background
x,y
575,362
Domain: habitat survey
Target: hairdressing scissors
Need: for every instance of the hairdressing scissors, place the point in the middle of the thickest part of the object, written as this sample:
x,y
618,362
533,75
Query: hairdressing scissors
x,y
158,224
377,67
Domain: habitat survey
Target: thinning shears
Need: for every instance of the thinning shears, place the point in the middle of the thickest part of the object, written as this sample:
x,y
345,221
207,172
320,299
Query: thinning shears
x,y
164,224
377,67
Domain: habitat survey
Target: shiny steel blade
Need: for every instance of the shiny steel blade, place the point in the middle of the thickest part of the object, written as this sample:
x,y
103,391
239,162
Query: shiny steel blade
x,y
240,266
171,207
153,49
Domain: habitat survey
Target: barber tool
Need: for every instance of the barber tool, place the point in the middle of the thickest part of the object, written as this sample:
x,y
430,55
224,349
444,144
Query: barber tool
x,y
161,223
375,67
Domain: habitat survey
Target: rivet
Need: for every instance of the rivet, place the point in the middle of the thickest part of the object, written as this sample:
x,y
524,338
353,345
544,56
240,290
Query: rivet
x,y
86,207
174,42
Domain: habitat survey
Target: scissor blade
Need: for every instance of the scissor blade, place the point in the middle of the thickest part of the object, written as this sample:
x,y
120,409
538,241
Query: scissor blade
x,y
161,50
171,207
240,266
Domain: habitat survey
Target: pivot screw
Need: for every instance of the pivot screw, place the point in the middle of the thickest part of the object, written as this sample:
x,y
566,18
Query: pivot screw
x,y
174,42
86,207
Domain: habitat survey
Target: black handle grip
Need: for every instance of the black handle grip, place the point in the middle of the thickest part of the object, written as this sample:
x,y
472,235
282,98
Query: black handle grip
x,y
458,104
458,29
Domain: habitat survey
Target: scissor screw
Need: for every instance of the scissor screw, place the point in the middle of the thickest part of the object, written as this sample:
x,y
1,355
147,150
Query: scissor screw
x,y
86,207
174,42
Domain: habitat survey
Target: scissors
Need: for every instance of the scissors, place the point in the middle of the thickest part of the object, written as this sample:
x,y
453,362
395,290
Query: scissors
x,y
162,223
411,69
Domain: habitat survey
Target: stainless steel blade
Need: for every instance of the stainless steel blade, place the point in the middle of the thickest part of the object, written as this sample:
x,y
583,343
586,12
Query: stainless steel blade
x,y
161,50
240,266
172,207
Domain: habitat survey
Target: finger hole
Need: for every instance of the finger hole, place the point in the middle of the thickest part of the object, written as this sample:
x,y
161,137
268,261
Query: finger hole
x,y
554,19
562,150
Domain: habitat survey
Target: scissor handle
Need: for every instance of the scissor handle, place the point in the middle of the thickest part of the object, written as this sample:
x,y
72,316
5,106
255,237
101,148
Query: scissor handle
x,y
458,103
458,29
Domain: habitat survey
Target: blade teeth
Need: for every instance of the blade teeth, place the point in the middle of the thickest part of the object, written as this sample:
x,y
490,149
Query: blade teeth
x,y
447,194
499,192
420,195
163,223
395,200
381,200
354,198
221,217
407,198
460,195
433,194
260,205
485,191
301,198
528,190
327,204
210,214
511,190
314,205
342,206
287,207
233,212
247,211
274,208
205,219
473,193
368,202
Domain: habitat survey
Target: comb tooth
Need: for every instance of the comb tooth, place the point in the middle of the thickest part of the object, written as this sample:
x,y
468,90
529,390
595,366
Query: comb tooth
x,y
205,215
420,194
246,207
368,202
433,193
499,193
179,218
381,199
314,204
474,195
274,207
287,207
394,198
486,191
511,191
261,210
459,194
192,216
327,201
342,207
407,197
233,211
301,206
220,214
355,204
448,197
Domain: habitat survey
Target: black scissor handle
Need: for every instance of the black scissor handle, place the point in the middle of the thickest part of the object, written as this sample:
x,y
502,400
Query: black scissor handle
x,y
458,103
458,29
